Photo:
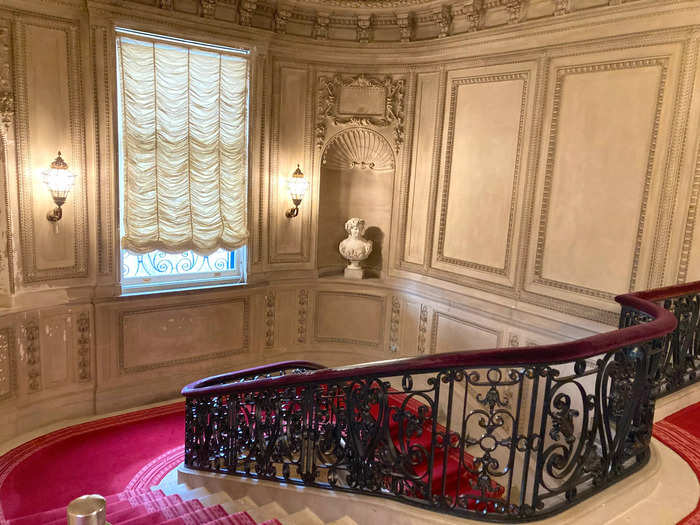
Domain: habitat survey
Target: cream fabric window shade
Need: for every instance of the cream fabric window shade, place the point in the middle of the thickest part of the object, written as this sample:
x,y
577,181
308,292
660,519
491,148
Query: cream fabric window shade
x,y
184,146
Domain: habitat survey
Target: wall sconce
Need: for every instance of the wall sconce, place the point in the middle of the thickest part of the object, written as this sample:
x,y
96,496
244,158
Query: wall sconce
x,y
59,180
297,185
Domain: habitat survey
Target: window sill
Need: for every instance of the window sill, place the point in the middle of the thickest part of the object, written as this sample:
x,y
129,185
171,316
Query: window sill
x,y
192,286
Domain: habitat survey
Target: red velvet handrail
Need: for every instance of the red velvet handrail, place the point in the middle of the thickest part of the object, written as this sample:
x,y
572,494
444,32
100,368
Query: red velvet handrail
x,y
663,322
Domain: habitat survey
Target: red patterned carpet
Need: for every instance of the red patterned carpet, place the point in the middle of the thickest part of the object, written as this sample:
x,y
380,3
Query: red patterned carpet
x,y
681,432
128,452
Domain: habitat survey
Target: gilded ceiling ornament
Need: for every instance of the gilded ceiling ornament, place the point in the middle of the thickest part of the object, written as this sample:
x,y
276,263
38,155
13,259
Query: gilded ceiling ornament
x,y
328,111
404,21
281,16
514,8
443,19
321,24
206,8
245,13
364,23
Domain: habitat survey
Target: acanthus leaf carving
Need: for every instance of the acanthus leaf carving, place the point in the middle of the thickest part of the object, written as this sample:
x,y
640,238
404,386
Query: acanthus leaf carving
x,y
281,17
328,110
443,18
475,15
514,8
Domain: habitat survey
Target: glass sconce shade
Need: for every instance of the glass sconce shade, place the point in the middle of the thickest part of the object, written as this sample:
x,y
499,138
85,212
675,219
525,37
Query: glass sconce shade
x,y
59,179
297,185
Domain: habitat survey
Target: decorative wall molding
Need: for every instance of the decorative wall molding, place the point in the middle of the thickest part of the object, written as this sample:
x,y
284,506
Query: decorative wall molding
x,y
7,97
102,108
690,222
395,323
302,314
440,256
270,303
33,355
84,346
344,298
561,73
125,315
8,374
437,316
360,101
513,340
26,165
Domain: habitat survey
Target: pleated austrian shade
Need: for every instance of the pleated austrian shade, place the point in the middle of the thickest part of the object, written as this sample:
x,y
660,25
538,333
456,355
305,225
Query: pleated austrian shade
x,y
184,146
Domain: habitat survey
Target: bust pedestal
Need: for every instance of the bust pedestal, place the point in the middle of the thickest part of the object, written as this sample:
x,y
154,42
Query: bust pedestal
x,y
354,272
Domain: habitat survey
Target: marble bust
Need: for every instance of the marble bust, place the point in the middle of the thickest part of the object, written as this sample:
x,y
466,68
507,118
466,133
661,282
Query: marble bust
x,y
355,248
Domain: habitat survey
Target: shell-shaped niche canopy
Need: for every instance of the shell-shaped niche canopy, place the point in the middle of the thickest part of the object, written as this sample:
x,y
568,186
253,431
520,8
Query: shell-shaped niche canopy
x,y
358,148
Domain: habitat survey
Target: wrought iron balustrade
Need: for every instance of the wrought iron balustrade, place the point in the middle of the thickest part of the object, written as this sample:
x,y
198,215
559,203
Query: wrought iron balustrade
x,y
679,362
508,434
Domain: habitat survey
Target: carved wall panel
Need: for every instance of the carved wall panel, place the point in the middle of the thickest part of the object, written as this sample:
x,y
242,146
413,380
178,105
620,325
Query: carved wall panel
x,y
8,374
596,207
453,334
484,154
289,238
349,318
167,336
56,342
50,117
424,156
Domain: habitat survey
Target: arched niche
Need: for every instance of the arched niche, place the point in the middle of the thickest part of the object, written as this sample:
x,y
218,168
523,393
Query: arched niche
x,y
357,180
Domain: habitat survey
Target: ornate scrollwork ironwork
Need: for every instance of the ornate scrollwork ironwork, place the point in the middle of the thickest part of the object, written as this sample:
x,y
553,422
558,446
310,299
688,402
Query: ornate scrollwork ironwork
x,y
499,443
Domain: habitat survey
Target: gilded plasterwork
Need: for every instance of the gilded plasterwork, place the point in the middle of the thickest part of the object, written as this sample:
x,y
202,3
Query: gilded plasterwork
x,y
302,314
395,324
660,64
270,303
84,346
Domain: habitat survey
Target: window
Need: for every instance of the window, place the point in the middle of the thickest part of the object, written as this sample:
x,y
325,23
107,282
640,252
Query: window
x,y
183,143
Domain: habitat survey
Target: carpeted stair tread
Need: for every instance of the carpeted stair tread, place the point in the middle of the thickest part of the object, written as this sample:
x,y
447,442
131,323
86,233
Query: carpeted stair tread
x,y
145,508
199,517
115,503
267,512
302,517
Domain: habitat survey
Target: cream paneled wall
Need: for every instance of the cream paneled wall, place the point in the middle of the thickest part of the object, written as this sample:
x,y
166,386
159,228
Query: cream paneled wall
x,y
541,167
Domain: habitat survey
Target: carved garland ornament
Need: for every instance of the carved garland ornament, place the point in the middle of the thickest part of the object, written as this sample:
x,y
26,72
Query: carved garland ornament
x,y
270,320
395,320
31,337
331,90
84,347
303,301
422,329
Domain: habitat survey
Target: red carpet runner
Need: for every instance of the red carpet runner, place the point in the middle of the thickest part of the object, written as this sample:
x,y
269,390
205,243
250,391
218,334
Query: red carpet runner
x,y
681,432
105,456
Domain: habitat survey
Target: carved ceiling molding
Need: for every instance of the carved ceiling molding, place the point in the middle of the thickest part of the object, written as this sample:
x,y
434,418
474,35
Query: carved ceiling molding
x,y
360,101
374,21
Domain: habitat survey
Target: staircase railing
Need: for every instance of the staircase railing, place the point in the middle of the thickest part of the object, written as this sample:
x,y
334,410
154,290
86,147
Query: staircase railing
x,y
680,359
507,434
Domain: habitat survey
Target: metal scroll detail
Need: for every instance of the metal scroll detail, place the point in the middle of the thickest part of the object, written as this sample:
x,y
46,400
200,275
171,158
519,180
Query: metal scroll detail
x,y
677,360
487,443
